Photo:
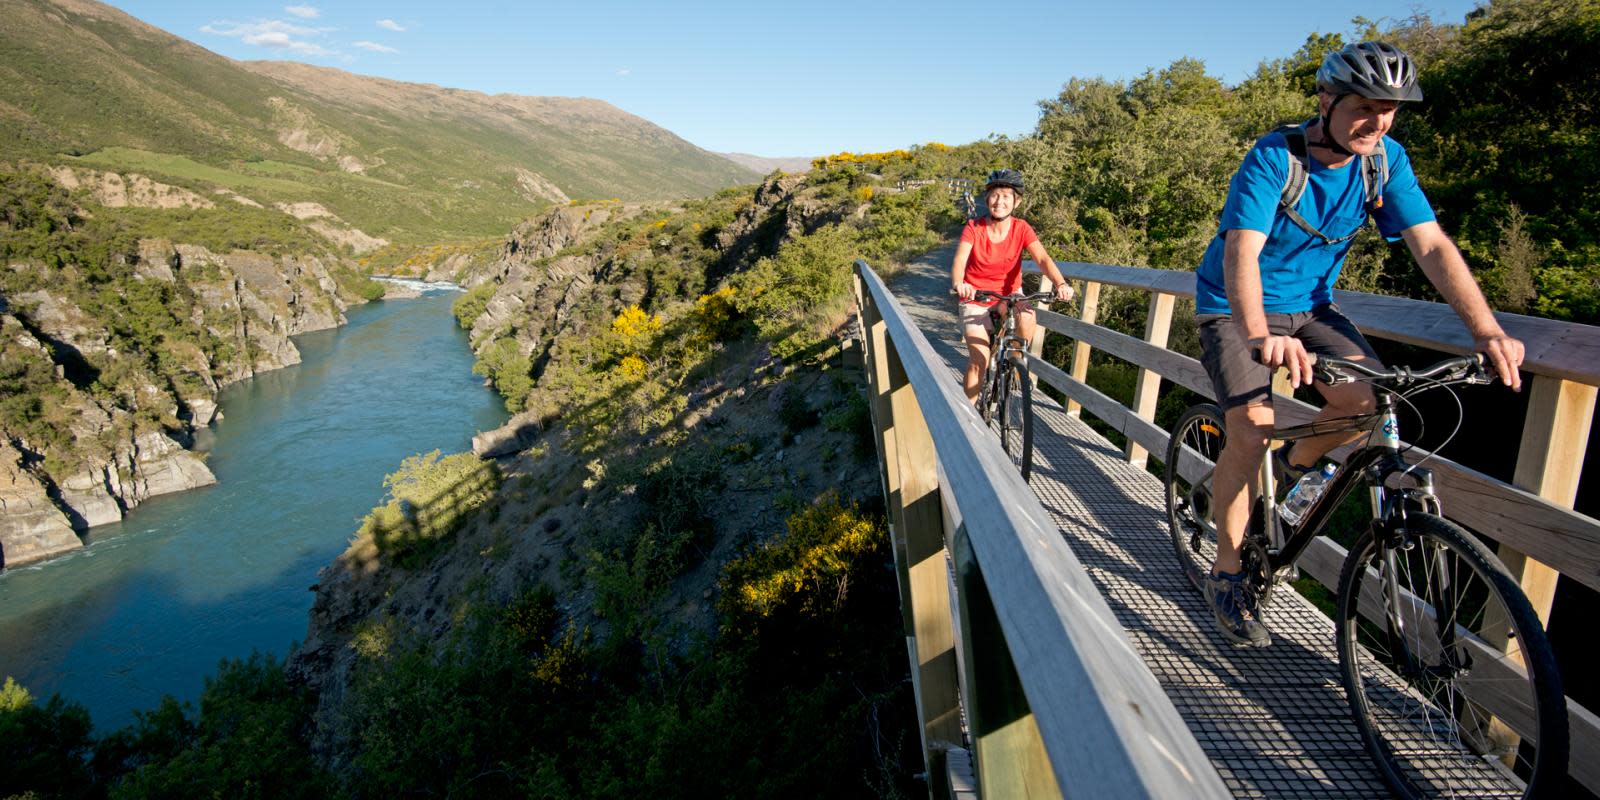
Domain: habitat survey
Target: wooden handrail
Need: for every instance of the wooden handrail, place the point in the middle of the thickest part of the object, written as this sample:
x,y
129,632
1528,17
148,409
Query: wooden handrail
x,y
1565,350
1088,715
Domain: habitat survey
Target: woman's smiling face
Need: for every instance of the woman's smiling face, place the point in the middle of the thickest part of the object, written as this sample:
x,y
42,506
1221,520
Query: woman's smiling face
x,y
1002,200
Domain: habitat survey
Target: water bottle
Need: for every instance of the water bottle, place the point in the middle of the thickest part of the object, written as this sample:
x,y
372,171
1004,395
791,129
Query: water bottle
x,y
1304,494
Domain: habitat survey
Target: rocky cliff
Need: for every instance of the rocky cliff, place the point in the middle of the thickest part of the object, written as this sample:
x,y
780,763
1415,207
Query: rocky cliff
x,y
741,432
104,399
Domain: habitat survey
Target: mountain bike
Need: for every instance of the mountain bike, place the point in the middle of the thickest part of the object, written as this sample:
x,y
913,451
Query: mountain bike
x,y
1005,401
1440,652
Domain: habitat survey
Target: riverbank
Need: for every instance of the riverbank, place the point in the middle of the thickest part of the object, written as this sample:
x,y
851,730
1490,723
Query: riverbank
x,y
152,603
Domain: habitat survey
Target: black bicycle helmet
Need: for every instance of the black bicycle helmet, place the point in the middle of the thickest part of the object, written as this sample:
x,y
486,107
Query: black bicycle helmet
x,y
1375,70
1004,177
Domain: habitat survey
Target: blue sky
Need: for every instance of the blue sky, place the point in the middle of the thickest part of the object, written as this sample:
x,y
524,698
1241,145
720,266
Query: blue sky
x,y
776,78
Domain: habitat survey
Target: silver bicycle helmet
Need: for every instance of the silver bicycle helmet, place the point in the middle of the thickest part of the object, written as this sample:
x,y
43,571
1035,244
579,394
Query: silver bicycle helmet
x,y
1375,70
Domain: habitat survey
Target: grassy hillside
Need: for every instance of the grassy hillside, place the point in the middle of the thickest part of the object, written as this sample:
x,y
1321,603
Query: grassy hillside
x,y
83,83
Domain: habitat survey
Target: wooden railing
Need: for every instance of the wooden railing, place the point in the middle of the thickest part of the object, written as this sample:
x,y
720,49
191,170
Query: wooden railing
x,y
1541,538
1006,632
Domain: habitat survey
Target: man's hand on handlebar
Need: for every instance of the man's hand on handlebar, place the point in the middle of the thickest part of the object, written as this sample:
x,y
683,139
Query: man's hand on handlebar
x,y
1504,354
1284,351
964,290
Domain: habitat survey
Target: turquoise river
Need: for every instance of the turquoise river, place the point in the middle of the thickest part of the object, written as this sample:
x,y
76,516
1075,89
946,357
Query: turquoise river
x,y
153,603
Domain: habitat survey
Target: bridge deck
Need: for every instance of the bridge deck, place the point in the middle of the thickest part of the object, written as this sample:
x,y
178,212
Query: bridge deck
x,y
1273,720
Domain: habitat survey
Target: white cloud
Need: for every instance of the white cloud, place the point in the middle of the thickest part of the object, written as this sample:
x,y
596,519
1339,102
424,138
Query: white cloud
x,y
624,72
391,25
374,47
303,12
273,34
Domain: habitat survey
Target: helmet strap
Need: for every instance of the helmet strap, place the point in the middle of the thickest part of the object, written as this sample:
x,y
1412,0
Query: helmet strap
x,y
1327,142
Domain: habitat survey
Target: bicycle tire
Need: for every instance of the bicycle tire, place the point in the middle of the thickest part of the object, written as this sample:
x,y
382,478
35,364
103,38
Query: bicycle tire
x,y
1408,685
1189,515
1016,417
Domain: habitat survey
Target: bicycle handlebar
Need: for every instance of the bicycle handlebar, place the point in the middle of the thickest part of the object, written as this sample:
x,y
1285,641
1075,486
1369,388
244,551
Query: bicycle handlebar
x,y
1473,369
1463,369
982,294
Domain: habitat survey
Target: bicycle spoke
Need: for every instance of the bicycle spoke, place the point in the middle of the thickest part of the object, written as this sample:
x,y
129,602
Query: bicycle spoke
x,y
1432,691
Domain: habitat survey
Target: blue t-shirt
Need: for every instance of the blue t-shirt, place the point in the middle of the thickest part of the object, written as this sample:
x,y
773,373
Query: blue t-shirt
x,y
1298,270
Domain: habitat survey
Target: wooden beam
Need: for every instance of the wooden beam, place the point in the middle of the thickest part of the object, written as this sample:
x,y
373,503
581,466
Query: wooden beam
x,y
876,342
1147,386
922,522
1555,436
1175,367
1011,760
1566,350
1080,348
1148,434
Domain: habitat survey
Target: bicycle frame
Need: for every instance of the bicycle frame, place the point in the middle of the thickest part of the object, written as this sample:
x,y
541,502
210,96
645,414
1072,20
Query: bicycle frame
x,y
1372,464
1004,342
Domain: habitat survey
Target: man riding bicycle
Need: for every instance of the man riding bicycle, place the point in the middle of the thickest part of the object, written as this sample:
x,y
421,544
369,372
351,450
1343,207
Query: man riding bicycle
x,y
989,258
1265,286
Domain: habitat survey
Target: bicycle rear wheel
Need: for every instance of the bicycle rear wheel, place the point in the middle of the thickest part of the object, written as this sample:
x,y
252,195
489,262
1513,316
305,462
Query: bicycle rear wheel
x,y
1192,451
1440,672
1013,417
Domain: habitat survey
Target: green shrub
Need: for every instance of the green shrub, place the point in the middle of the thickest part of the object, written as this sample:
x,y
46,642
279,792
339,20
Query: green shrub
x,y
430,498
503,363
43,749
792,295
249,739
471,305
855,418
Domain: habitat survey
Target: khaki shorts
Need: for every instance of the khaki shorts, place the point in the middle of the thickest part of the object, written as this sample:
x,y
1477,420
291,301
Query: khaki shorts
x,y
1240,381
978,320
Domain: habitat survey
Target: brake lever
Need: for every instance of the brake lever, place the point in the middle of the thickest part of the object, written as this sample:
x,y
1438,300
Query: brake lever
x,y
1481,373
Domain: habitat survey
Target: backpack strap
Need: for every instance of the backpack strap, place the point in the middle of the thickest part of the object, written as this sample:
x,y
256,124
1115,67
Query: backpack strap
x,y
1294,183
1374,176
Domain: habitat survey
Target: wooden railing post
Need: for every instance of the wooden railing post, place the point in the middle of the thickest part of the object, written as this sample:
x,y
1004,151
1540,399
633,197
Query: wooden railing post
x,y
1555,436
874,338
1010,758
1036,347
1147,389
1080,348
920,518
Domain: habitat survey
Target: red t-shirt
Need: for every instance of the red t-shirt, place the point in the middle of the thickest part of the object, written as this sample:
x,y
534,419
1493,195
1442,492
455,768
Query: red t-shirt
x,y
996,266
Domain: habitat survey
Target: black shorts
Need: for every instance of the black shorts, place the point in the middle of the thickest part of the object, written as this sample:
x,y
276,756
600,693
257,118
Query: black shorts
x,y
1240,381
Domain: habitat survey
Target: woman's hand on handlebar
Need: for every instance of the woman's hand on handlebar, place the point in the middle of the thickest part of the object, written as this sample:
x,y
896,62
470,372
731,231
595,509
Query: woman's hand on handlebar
x,y
1284,351
964,290
1064,292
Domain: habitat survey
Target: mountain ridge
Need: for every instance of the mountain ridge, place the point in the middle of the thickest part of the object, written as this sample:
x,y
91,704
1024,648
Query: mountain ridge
x,y
81,79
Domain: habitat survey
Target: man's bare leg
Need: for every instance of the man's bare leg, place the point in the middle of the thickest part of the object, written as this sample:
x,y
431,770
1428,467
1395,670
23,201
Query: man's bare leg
x,y
1343,400
1233,484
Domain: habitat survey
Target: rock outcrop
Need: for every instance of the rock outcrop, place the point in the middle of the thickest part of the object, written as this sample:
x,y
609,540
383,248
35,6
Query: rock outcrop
x,y
33,528
109,427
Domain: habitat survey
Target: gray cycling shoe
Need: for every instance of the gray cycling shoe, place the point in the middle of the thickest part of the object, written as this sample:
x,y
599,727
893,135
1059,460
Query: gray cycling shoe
x,y
1235,610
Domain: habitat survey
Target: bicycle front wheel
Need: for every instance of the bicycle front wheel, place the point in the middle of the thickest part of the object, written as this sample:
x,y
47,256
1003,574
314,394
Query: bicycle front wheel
x,y
1013,417
1447,670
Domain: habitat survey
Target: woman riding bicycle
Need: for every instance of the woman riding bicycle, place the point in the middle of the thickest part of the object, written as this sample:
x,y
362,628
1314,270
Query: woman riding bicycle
x,y
989,258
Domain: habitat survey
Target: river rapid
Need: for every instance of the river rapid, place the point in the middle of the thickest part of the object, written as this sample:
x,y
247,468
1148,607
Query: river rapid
x,y
155,601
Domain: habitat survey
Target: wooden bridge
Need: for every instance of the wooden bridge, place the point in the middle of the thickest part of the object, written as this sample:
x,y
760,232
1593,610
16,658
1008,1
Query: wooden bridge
x,y
1057,649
